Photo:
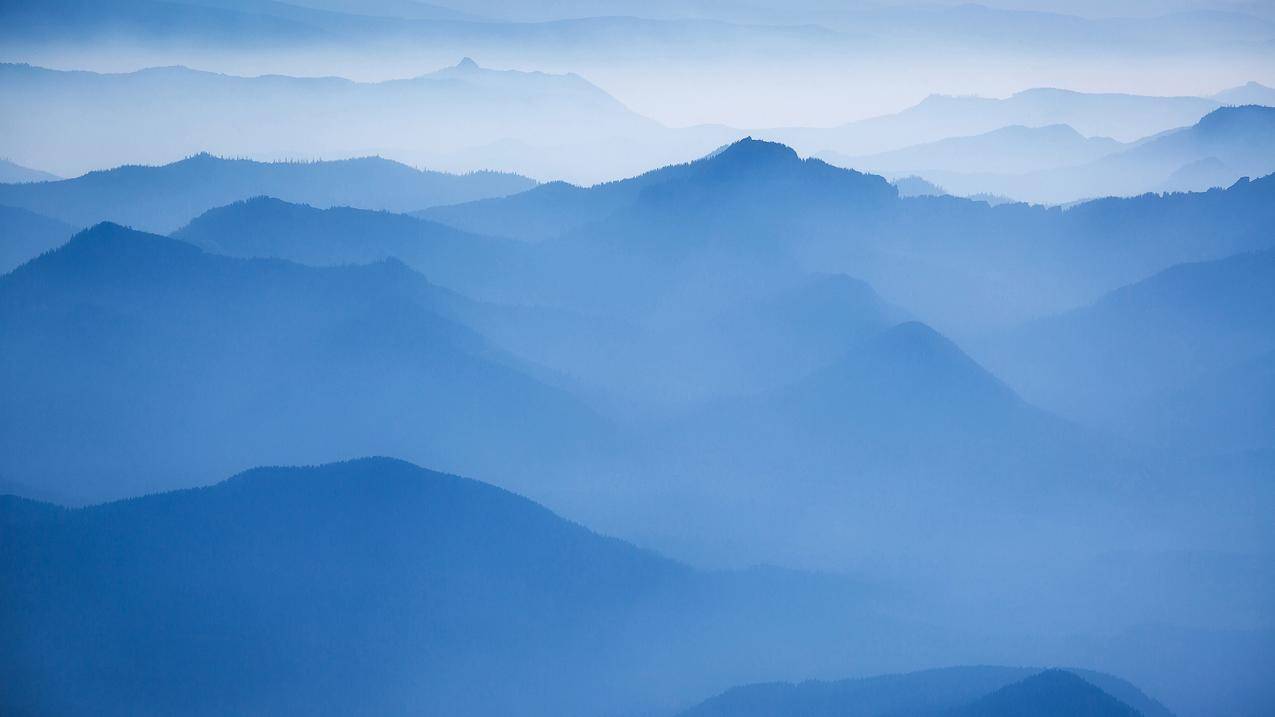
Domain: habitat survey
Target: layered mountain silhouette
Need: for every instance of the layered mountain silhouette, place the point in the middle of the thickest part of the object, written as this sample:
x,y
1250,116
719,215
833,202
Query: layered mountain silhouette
x,y
952,691
886,439
1250,93
1225,145
1105,362
12,173
1009,150
454,118
376,586
25,235
229,361
264,227
1053,693
760,342
164,198
964,265
1122,117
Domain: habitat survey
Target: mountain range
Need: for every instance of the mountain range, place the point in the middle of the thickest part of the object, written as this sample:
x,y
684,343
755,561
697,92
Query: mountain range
x,y
1119,361
281,589
751,356
165,198
1010,150
220,358
756,209
1123,117
1225,145
451,118
982,691
264,227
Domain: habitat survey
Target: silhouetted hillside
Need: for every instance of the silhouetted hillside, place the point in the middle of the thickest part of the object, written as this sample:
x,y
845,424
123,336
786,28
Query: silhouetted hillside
x,y
914,186
25,235
1009,150
373,586
556,208
164,198
544,212
1240,140
667,241
1123,117
1135,344
756,344
696,238
952,691
456,118
227,362
270,228
886,439
1053,693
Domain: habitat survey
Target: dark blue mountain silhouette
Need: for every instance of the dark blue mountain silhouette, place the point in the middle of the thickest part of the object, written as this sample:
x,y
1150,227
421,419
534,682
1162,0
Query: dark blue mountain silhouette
x,y
25,235
226,362
691,240
1052,693
951,691
556,209
759,343
373,586
647,245
165,198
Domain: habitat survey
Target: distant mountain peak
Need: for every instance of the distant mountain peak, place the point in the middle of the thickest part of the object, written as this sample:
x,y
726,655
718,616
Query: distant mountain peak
x,y
754,150
467,64
1052,693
